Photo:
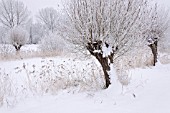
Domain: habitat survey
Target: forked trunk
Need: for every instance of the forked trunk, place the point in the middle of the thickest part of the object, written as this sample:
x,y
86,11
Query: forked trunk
x,y
154,47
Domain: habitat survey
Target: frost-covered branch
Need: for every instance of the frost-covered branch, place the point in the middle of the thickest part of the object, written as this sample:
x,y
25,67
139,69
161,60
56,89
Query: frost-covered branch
x,y
13,13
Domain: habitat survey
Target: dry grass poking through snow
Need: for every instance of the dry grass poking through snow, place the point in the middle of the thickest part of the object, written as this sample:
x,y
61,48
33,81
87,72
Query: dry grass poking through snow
x,y
48,77
51,77
7,52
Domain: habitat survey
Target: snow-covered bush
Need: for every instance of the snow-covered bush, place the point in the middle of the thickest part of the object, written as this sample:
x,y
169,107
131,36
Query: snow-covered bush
x,y
52,42
18,37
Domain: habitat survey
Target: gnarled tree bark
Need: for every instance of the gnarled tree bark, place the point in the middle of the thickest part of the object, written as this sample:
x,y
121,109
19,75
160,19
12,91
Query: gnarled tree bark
x,y
104,61
17,47
154,49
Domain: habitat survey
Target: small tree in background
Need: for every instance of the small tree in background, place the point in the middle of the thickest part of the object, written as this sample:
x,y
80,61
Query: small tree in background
x,y
18,37
49,18
36,31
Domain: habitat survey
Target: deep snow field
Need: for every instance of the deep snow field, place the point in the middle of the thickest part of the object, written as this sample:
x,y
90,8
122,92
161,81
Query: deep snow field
x,y
70,85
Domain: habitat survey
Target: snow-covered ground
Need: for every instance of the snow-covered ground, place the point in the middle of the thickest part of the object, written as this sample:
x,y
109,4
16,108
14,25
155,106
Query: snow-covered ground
x,y
148,91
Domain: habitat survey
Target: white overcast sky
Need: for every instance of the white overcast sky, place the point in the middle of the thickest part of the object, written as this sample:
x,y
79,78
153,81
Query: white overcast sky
x,y
35,5
164,2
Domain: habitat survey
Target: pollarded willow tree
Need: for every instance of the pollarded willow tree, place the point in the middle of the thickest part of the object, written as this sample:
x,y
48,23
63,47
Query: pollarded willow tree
x,y
18,37
109,29
155,23
106,28
13,13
